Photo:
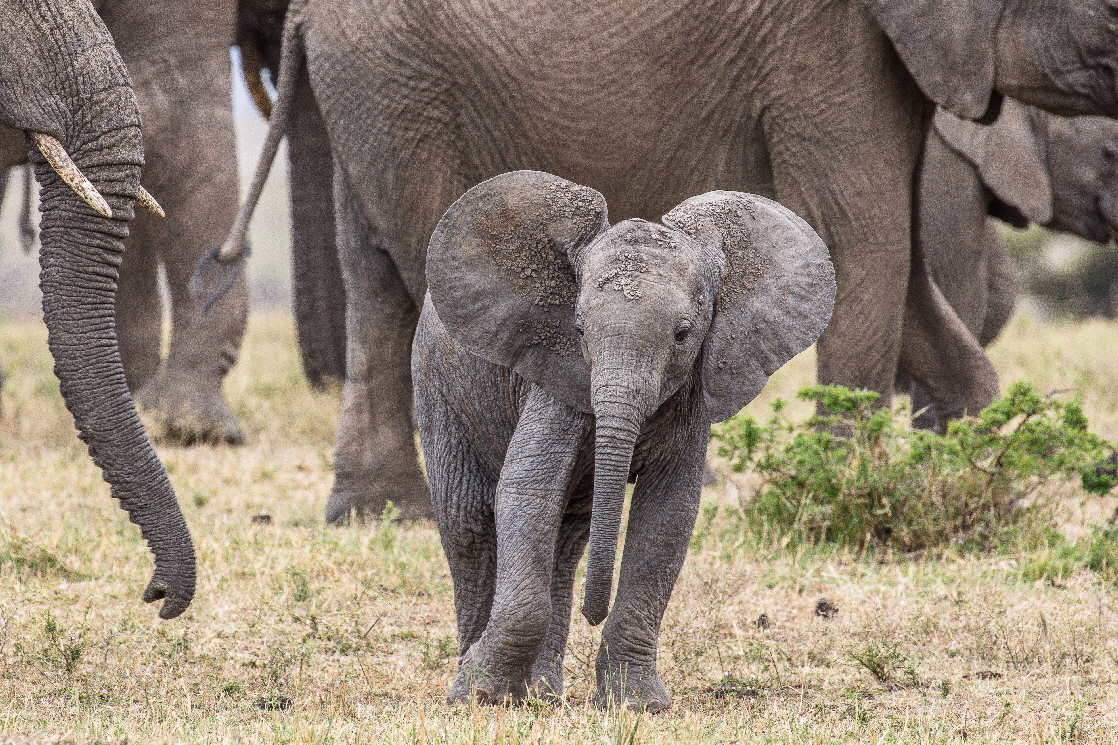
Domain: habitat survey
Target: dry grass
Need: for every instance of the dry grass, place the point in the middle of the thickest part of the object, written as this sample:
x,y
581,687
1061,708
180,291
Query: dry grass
x,y
302,633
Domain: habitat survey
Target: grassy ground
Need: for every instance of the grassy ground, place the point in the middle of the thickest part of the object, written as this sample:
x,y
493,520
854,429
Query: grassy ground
x,y
302,633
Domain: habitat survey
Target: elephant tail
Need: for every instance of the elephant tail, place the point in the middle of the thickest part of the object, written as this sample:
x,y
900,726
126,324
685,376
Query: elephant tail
x,y
221,266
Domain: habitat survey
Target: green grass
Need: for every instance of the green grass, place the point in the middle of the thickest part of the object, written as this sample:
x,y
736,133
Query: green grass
x,y
307,634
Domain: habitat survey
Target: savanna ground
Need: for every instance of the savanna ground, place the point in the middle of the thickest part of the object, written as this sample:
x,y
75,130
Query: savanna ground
x,y
304,633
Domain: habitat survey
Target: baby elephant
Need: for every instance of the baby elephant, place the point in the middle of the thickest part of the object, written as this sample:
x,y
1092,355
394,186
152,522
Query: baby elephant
x,y
558,359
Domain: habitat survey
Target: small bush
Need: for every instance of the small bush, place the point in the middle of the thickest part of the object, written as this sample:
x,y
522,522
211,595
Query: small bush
x,y
857,475
1057,560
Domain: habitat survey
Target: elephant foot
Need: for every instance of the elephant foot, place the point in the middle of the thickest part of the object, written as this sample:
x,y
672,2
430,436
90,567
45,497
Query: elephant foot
x,y
366,497
547,679
633,688
476,682
186,411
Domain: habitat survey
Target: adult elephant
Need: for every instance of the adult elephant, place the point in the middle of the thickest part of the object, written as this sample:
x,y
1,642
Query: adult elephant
x,y
822,105
1027,167
177,54
64,85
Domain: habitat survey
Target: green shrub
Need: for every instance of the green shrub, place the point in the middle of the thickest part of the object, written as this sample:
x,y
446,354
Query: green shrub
x,y
857,475
1057,560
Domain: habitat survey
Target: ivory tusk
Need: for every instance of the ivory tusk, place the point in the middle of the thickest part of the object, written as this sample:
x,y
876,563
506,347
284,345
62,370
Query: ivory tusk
x,y
147,201
68,171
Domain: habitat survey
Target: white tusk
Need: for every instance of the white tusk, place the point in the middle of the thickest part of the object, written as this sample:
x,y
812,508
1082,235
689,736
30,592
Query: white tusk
x,y
68,171
147,201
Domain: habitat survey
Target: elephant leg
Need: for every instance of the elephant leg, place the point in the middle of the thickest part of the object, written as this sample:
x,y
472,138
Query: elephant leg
x,y
980,286
864,220
956,245
661,517
462,494
318,292
574,531
530,502
190,168
463,488
375,458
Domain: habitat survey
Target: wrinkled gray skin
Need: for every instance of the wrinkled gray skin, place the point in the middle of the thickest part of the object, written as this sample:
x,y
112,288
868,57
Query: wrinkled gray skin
x,y
60,75
1028,166
648,102
559,358
178,56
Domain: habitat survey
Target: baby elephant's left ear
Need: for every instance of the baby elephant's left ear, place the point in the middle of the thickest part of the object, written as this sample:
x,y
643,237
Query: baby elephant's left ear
x,y
777,292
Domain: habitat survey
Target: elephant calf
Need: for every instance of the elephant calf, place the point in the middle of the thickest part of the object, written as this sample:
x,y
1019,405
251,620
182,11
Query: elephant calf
x,y
557,359
1028,166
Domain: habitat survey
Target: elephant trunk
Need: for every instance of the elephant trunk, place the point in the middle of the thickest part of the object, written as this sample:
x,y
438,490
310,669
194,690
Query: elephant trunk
x,y
619,413
80,255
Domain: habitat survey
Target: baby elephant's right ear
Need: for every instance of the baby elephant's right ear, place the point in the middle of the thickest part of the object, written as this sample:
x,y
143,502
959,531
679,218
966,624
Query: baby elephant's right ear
x,y
502,282
776,296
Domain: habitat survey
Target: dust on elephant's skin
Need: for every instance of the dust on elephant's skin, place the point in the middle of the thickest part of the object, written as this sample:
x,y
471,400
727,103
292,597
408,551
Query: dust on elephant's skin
x,y
556,359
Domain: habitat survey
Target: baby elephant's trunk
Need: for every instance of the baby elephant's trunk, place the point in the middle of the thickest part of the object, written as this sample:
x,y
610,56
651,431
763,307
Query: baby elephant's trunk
x,y
618,423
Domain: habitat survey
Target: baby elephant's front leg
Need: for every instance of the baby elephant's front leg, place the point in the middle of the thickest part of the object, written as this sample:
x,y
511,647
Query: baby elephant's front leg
x,y
530,500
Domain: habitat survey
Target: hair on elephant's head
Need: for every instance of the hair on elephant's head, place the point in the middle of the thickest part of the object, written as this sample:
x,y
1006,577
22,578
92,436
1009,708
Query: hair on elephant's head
x,y
1060,172
525,271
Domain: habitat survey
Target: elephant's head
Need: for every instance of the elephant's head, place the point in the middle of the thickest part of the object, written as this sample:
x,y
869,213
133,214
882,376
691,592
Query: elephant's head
x,y
1060,55
1060,172
62,82
525,271
1082,156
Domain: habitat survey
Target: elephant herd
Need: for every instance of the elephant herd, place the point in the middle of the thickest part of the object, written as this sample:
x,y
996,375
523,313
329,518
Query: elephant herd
x,y
557,358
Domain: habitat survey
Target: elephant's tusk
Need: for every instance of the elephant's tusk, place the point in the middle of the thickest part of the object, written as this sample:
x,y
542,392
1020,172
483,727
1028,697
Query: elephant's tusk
x,y
147,201
68,171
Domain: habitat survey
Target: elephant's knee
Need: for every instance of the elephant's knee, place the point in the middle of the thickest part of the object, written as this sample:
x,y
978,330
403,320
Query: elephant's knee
x,y
521,627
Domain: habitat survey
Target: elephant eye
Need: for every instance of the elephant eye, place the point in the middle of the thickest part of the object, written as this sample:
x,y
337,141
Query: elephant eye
x,y
682,331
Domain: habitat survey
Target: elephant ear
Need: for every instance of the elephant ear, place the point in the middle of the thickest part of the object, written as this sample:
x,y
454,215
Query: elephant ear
x,y
500,274
1007,156
947,46
776,296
